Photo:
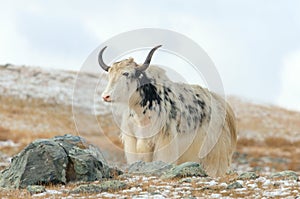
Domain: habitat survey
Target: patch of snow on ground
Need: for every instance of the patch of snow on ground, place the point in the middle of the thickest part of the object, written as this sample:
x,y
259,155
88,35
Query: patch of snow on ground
x,y
53,87
8,143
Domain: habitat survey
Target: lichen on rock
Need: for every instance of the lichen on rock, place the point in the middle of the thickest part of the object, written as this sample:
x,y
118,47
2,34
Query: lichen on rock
x,y
187,169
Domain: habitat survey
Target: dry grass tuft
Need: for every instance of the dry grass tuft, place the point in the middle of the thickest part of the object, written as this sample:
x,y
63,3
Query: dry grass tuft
x,y
280,142
4,132
243,142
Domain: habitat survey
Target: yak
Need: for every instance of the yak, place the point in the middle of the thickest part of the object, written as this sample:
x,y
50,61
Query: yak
x,y
168,121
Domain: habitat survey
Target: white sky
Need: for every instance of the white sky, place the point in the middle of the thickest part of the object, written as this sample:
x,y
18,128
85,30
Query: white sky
x,y
254,44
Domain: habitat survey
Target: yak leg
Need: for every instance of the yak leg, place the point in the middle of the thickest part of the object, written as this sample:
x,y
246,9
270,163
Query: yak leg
x,y
144,150
130,148
166,149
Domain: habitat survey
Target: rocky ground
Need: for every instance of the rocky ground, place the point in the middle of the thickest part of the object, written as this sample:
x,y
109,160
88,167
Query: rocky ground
x,y
36,103
137,186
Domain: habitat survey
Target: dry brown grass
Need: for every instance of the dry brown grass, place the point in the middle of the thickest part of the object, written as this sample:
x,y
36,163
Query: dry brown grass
x,y
265,119
25,121
272,147
157,185
35,113
244,142
281,142
13,194
4,133
268,131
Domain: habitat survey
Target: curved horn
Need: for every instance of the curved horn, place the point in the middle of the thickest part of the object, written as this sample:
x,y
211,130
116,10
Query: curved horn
x,y
100,60
148,59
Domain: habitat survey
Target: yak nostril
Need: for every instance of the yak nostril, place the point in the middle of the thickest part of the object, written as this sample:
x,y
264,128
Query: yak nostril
x,y
106,98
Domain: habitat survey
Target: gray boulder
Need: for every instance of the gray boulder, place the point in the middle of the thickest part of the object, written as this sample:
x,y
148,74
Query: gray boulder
x,y
59,160
234,185
187,169
34,189
156,168
288,175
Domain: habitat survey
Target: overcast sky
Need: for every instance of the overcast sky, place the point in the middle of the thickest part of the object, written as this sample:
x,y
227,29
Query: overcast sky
x,y
254,44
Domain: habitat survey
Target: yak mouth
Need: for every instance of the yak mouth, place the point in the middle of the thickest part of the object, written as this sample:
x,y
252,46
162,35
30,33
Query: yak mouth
x,y
105,101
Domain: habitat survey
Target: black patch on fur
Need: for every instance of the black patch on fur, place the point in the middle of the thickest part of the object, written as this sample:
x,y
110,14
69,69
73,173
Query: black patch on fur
x,y
178,127
144,111
209,114
166,91
173,111
147,90
181,98
189,120
192,109
200,114
166,96
199,103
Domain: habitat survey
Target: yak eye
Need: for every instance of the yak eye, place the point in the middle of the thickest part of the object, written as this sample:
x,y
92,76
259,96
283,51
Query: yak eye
x,y
126,74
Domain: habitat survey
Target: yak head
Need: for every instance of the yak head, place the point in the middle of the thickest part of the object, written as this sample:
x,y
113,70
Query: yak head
x,y
124,77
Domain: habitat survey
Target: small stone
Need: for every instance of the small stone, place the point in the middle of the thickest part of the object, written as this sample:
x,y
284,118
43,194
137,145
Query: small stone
x,y
276,184
112,185
34,189
288,175
187,180
231,172
87,188
234,185
241,158
187,169
151,189
248,176
258,169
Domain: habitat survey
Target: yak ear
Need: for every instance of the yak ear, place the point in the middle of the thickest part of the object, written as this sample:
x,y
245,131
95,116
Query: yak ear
x,y
100,60
130,59
148,59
